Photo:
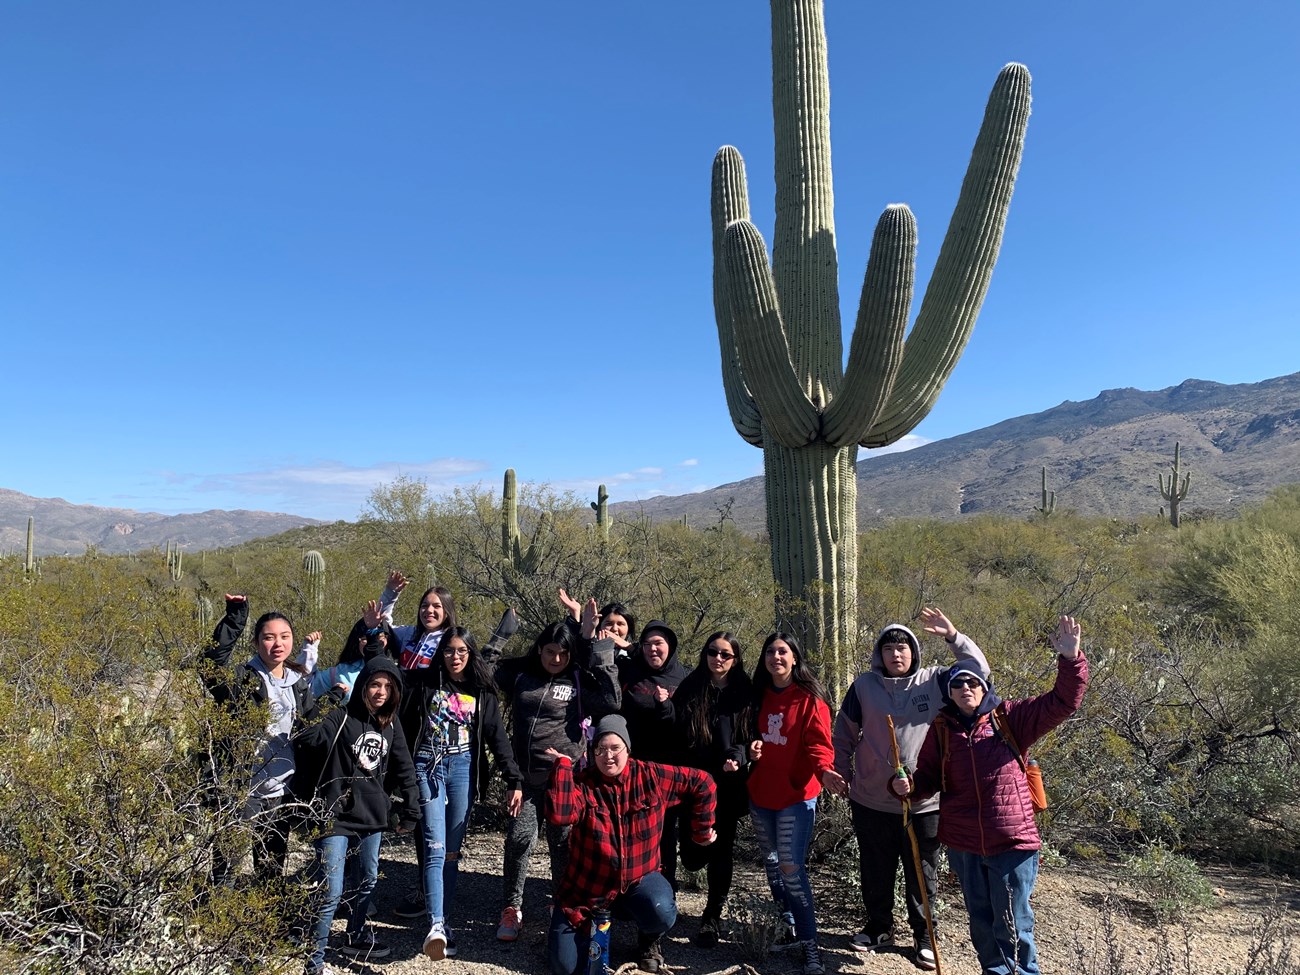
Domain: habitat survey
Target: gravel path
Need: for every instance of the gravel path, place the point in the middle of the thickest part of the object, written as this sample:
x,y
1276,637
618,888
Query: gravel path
x,y
1069,903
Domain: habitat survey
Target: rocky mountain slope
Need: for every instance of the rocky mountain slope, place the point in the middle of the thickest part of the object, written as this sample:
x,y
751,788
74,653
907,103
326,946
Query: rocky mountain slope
x,y
68,528
1102,458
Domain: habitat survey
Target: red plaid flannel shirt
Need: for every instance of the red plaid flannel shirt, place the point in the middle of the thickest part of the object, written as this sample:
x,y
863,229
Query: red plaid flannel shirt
x,y
618,823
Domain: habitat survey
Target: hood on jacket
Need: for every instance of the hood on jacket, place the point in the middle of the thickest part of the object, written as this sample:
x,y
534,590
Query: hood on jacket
x,y
891,631
968,668
661,627
357,703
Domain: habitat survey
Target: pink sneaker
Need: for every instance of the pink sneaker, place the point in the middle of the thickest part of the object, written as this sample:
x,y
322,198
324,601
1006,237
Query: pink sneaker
x,y
512,923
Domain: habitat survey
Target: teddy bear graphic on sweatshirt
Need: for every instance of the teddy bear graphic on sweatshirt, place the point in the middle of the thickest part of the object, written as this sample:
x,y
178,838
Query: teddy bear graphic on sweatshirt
x,y
773,733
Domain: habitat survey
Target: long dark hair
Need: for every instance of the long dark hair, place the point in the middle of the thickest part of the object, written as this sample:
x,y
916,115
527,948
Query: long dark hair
x,y
477,674
448,607
803,674
269,617
696,688
622,611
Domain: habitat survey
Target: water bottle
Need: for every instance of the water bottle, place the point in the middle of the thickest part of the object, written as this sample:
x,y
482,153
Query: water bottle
x,y
598,947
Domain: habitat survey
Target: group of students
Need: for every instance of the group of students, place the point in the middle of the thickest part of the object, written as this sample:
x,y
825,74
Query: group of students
x,y
631,762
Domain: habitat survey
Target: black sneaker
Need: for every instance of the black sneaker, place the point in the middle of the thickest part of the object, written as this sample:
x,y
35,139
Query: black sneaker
x,y
411,904
864,940
708,933
451,949
650,956
924,956
363,945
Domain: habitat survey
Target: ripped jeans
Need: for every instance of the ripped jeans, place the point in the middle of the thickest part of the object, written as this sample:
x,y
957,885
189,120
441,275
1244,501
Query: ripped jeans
x,y
444,817
783,836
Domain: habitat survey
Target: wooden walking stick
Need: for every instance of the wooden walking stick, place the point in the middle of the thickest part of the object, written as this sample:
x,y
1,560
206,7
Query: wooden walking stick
x,y
901,772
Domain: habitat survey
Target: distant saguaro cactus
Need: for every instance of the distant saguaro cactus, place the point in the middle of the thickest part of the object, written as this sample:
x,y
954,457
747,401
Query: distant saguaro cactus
x,y
29,564
601,507
514,555
203,609
787,387
1049,500
174,557
1174,491
313,565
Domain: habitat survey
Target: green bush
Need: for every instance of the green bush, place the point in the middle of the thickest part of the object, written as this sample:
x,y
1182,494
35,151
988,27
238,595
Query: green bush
x,y
1170,884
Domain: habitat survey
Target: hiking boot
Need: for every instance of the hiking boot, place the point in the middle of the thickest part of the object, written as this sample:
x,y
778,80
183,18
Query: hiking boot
x,y
512,924
435,942
363,945
649,956
865,940
411,904
812,959
924,956
708,933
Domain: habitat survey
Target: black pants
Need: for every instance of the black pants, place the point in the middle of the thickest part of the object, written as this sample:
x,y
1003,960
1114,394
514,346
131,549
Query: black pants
x,y
718,857
270,824
882,842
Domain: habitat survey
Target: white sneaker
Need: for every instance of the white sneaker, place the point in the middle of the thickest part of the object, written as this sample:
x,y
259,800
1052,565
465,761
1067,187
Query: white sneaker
x,y
435,942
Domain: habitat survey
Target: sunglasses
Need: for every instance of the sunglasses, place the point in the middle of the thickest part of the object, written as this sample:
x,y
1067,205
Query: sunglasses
x,y
958,682
720,654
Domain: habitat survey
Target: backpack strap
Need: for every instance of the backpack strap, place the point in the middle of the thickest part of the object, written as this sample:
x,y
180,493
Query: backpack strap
x,y
1002,725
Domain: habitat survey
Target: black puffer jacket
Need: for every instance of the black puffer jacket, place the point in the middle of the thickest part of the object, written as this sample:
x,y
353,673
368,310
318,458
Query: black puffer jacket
x,y
352,760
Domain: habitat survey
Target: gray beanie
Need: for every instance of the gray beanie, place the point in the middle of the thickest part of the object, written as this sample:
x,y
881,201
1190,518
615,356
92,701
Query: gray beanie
x,y
613,724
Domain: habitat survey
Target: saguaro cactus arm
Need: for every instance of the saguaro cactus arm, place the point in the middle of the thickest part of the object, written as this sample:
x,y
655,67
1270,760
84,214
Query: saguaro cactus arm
x,y
765,354
876,351
965,264
730,202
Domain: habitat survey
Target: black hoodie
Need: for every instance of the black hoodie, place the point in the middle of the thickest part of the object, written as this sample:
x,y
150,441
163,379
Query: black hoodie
x,y
649,720
361,758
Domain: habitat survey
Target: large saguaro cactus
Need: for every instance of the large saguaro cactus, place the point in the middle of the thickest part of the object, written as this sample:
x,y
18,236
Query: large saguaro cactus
x,y
515,556
313,567
787,387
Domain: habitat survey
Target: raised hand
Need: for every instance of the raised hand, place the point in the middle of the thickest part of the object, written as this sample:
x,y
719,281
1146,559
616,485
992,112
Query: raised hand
x,y
314,636
396,581
933,621
572,605
590,617
235,598
1065,640
372,614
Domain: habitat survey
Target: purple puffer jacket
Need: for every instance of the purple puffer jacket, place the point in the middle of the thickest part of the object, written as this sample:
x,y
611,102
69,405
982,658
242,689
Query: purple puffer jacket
x,y
984,806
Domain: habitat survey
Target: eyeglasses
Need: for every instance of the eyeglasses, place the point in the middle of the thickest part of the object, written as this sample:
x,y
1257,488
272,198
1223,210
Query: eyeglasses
x,y
959,682
720,654
609,750
455,651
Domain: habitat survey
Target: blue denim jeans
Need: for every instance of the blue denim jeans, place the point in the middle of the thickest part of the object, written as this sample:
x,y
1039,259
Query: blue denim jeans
x,y
332,854
649,903
783,836
444,817
997,890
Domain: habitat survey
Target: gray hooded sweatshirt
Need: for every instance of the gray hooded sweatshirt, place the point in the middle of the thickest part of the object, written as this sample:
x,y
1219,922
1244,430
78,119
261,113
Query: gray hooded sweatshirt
x,y
863,748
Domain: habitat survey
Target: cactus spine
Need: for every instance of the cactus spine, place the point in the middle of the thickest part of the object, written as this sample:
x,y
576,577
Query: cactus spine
x,y
29,564
601,507
1049,500
515,556
313,565
1174,491
779,333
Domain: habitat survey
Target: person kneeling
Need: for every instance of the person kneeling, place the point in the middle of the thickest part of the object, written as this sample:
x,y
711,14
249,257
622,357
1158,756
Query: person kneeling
x,y
616,810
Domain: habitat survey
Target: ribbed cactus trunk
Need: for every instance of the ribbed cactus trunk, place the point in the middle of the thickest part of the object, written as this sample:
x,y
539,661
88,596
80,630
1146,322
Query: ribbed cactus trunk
x,y
787,387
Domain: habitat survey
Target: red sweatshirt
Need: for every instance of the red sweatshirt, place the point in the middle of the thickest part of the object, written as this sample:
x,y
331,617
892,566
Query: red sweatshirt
x,y
795,728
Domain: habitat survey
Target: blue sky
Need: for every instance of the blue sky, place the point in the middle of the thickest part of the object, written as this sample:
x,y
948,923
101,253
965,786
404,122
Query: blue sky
x,y
269,255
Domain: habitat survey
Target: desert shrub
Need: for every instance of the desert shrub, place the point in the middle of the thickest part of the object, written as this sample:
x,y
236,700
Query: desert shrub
x,y
1170,884
110,805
